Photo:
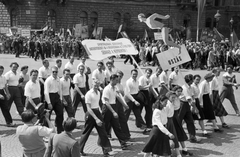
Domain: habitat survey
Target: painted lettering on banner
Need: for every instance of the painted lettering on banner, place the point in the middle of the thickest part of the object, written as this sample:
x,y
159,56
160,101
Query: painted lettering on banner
x,y
99,50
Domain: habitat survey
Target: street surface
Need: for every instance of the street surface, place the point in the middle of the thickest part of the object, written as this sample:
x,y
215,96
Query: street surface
x,y
224,144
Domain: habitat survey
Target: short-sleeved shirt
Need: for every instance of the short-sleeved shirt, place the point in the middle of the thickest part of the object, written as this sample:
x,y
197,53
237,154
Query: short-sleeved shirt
x,y
80,80
143,81
163,78
32,89
100,76
187,93
60,71
44,72
70,67
155,80
3,82
196,90
92,98
214,84
51,85
12,79
110,93
65,85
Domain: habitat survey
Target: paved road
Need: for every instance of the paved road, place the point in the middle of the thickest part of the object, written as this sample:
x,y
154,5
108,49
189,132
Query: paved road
x,y
225,144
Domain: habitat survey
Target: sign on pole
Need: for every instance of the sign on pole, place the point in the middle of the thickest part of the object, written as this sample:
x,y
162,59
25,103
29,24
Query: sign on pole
x,y
99,33
26,32
158,35
172,57
84,33
99,50
78,30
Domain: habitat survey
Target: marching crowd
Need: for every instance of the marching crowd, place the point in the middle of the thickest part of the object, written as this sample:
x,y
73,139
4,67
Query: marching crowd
x,y
107,106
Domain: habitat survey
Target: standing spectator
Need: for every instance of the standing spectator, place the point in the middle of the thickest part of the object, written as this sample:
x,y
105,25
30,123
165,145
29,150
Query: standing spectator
x,y
53,97
4,96
12,78
229,80
64,144
66,95
31,135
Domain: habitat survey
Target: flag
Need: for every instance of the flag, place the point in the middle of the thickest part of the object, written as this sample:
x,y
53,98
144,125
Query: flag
x,y
124,34
69,32
73,31
217,36
45,28
120,29
200,5
145,35
233,38
107,39
94,33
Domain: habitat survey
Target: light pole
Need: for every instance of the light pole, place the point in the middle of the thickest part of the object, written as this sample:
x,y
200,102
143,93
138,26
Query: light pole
x,y
231,24
217,16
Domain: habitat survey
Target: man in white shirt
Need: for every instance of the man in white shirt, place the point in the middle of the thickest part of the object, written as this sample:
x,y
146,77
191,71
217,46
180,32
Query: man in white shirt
x,y
110,110
12,77
59,66
163,83
69,65
99,75
32,92
132,91
79,92
66,95
94,119
43,73
109,71
174,78
229,81
87,71
53,96
4,96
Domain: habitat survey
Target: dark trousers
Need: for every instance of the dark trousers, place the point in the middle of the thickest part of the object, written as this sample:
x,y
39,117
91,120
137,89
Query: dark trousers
x,y
58,109
186,115
114,122
22,95
4,108
227,92
122,121
136,111
77,99
72,84
69,108
16,98
148,108
37,55
42,90
90,123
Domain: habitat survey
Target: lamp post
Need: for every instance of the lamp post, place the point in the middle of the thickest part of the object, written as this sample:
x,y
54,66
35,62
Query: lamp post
x,y
231,24
217,16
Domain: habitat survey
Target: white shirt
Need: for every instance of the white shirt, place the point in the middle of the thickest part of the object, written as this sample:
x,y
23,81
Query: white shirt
x,y
43,72
143,81
110,93
32,89
52,85
42,130
65,86
159,119
100,76
204,88
187,93
132,86
214,84
60,71
11,78
108,73
3,82
120,88
174,78
163,78
92,98
177,103
80,80
169,109
69,66
196,90
155,80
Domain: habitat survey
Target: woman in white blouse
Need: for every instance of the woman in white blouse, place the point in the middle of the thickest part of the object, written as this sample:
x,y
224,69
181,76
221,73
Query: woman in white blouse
x,y
205,101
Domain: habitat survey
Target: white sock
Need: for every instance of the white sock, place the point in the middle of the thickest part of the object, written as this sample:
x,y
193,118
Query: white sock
x,y
185,149
205,132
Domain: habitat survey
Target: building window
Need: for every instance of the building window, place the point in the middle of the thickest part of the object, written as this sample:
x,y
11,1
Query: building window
x,y
52,19
117,18
126,19
93,19
208,23
14,18
83,18
217,3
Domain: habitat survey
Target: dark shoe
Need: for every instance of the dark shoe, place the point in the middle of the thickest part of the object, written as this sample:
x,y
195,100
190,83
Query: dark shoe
x,y
195,140
218,130
187,153
146,132
224,125
108,155
83,154
205,135
11,125
125,148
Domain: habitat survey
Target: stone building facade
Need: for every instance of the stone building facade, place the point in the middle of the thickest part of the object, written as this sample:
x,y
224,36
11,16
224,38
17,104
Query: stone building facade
x,y
108,14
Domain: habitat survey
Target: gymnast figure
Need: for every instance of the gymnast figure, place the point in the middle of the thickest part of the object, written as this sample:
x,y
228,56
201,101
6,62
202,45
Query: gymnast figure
x,y
154,24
